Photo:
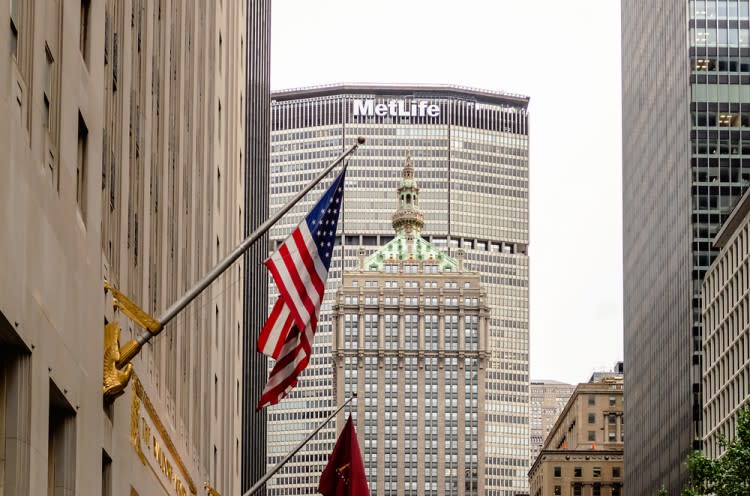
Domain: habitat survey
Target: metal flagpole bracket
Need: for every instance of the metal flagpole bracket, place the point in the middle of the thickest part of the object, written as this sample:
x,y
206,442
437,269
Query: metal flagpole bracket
x,y
117,367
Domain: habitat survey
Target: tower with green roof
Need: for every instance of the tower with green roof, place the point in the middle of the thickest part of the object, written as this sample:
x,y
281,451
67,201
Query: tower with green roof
x,y
410,335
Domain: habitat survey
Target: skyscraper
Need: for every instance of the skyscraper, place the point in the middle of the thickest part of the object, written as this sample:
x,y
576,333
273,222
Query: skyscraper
x,y
120,146
256,182
546,400
410,338
469,149
685,164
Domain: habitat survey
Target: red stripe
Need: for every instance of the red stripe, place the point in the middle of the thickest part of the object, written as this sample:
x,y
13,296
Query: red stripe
x,y
303,277
293,338
265,333
274,395
274,270
288,325
309,265
296,276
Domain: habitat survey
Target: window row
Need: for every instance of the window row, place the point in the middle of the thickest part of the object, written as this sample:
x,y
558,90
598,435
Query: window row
x,y
409,300
721,9
719,37
596,472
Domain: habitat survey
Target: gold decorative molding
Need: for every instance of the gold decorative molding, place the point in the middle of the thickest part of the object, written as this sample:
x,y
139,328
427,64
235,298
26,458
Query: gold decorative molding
x,y
135,440
133,311
210,490
115,380
117,368
137,429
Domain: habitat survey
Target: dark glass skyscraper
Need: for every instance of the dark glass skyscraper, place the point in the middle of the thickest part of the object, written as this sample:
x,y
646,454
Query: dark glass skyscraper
x,y
686,161
257,146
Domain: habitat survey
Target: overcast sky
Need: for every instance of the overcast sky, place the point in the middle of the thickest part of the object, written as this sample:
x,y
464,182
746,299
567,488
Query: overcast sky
x,y
566,57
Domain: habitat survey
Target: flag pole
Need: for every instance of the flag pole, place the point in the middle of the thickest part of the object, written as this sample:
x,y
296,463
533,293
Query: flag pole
x,y
130,349
288,457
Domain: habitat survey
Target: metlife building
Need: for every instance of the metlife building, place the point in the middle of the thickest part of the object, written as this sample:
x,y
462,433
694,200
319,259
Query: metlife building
x,y
470,150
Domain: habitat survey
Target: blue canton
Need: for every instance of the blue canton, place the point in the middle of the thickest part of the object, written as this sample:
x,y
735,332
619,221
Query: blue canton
x,y
324,217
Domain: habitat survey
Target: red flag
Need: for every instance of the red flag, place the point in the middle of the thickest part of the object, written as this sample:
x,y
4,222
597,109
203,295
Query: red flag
x,y
345,473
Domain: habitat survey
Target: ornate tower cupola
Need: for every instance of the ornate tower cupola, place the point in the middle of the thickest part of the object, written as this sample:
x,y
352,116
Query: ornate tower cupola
x,y
408,219
408,246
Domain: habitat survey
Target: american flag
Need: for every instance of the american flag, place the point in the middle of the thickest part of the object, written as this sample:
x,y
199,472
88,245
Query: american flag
x,y
300,269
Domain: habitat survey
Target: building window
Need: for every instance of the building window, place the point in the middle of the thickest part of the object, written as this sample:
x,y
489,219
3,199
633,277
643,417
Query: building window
x,y
15,403
612,400
106,474
558,471
577,472
612,437
558,490
592,435
597,490
597,472
577,490
616,490
592,418
83,136
592,399
216,461
14,28
49,60
612,419
85,8
615,472
61,446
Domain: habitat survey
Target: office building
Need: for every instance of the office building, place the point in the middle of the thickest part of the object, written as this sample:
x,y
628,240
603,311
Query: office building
x,y
583,454
121,142
684,167
546,400
410,338
257,169
617,371
726,330
469,150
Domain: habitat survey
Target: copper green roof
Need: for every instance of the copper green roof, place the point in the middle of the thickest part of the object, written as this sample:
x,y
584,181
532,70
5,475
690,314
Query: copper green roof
x,y
405,248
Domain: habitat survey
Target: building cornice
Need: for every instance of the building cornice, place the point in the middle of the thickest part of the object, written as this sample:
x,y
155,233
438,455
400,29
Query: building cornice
x,y
401,90
585,454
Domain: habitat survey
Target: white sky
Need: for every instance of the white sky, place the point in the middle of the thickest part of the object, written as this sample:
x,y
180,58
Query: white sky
x,y
566,57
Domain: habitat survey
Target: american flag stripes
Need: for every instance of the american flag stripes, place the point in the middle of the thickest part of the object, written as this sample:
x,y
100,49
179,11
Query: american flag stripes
x,y
300,269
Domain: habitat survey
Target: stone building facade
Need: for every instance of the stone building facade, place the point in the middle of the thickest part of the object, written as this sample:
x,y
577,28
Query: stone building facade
x,y
583,454
726,330
546,400
121,145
